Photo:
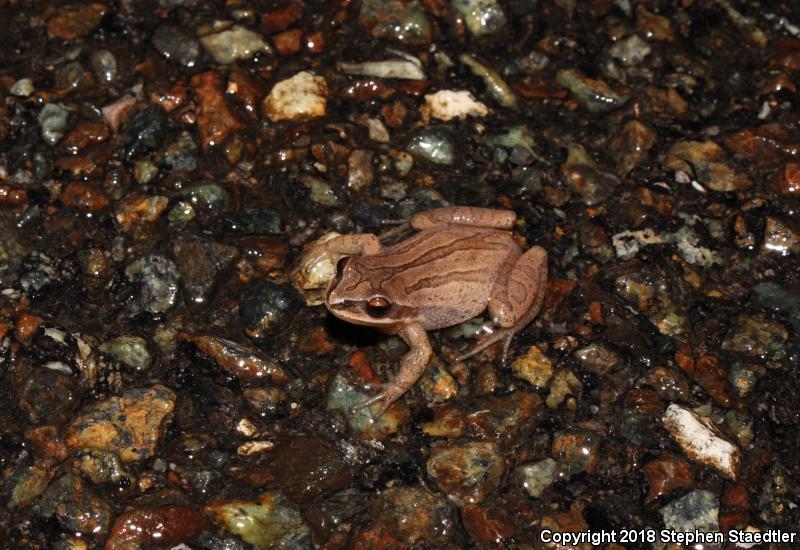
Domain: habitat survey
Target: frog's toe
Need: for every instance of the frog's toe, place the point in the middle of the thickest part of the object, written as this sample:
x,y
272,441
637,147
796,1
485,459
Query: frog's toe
x,y
500,334
386,397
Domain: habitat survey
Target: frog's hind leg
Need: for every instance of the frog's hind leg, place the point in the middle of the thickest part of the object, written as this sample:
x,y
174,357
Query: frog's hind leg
x,y
515,300
412,365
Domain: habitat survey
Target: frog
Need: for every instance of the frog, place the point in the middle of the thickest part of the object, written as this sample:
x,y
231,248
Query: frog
x,y
459,262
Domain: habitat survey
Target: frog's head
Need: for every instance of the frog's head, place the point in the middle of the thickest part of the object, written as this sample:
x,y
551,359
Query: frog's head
x,y
351,296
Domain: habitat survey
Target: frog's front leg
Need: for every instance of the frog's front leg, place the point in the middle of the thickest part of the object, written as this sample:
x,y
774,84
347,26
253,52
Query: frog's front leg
x,y
516,298
463,215
363,244
412,366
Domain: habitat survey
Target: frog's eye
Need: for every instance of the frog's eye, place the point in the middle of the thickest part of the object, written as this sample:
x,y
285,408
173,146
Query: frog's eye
x,y
340,265
378,306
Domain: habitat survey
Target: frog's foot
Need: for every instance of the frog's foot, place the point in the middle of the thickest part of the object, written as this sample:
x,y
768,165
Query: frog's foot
x,y
498,334
400,230
389,393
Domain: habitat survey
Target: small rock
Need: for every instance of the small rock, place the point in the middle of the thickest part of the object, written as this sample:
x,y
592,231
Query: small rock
x,y
256,221
665,474
586,179
321,471
359,169
576,451
241,362
701,440
130,350
76,507
598,358
53,120
409,517
758,337
495,85
405,68
156,280
466,472
215,118
176,45
234,44
157,527
534,367
630,51
483,17
104,65
563,384
704,160
85,197
129,425
595,95
145,131
48,396
76,21
402,20
435,144
271,521
449,104
698,510
315,270
538,476
102,467
201,264
631,145
267,309
22,87
301,97
781,237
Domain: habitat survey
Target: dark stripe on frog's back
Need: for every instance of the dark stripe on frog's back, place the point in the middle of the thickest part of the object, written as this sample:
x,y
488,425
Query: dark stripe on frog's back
x,y
404,269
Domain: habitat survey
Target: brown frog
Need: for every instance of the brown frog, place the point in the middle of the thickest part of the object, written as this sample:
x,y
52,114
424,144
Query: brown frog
x,y
461,261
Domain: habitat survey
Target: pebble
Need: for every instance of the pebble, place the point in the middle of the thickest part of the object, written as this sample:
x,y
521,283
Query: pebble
x,y
53,121
537,477
405,68
129,425
301,97
496,87
698,510
166,526
585,178
155,280
705,159
534,367
435,144
201,264
482,17
757,337
404,21
234,44
701,440
596,96
240,361
270,521
666,474
176,45
449,104
466,472
129,350
267,309
215,118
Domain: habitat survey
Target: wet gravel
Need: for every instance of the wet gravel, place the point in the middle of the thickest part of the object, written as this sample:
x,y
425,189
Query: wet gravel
x,y
171,382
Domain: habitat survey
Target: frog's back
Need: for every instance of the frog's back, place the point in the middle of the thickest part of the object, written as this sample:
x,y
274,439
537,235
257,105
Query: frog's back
x,y
446,275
